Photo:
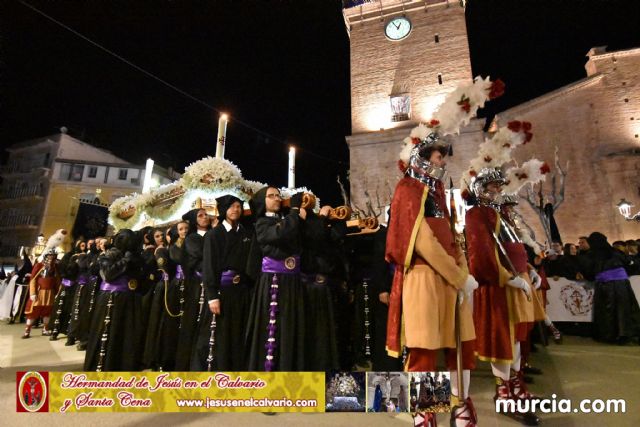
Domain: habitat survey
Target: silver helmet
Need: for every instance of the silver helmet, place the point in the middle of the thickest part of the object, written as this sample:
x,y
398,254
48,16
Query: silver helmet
x,y
480,181
420,167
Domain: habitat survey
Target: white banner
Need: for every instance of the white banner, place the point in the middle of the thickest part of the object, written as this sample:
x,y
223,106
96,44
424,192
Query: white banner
x,y
572,301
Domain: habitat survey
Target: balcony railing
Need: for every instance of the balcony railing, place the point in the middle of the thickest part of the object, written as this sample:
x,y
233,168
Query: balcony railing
x,y
21,168
18,220
18,192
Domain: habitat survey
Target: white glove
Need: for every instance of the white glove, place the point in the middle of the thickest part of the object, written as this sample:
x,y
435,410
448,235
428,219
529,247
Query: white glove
x,y
535,278
470,285
520,283
34,297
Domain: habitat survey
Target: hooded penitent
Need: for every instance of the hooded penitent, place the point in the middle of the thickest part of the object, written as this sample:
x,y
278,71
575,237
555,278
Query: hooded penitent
x,y
224,203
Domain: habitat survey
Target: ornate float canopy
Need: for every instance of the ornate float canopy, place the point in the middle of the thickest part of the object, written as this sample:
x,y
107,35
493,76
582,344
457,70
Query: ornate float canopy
x,y
202,182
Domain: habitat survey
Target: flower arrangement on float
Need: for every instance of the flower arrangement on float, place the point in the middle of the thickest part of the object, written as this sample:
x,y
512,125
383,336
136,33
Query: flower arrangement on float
x,y
202,182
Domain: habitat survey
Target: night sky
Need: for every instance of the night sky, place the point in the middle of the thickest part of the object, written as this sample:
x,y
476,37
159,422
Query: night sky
x,y
279,67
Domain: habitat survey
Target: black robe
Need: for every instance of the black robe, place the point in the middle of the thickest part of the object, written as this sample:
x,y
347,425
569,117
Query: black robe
x,y
194,301
153,306
161,341
616,314
278,239
382,279
82,297
224,250
123,333
362,273
322,240
63,305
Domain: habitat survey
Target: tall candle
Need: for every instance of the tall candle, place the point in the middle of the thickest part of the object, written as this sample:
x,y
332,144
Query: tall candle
x,y
146,185
292,168
222,136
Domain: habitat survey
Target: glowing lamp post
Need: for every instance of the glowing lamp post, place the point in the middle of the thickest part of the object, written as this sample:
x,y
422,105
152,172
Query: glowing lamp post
x,y
625,210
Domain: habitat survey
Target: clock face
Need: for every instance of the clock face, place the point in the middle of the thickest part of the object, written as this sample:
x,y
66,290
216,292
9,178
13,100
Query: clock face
x,y
397,28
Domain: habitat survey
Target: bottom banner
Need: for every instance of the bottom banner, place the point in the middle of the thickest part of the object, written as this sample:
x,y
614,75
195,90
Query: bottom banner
x,y
171,391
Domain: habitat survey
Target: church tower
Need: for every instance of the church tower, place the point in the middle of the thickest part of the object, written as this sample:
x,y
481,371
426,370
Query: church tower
x,y
406,55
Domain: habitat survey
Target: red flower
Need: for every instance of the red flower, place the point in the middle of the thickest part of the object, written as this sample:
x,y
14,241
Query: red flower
x,y
545,169
465,194
526,126
433,123
402,166
473,173
415,141
514,126
464,103
496,89
527,137
487,159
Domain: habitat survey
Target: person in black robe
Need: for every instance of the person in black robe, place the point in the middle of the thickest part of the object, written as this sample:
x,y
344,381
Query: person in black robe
x,y
227,291
381,289
83,278
64,302
115,336
194,299
168,303
166,270
322,240
150,274
616,315
90,292
277,315
362,273
24,272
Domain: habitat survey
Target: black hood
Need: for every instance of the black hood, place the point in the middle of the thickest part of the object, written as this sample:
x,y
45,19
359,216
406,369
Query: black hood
x,y
126,241
598,243
76,246
173,234
146,235
258,203
192,218
224,203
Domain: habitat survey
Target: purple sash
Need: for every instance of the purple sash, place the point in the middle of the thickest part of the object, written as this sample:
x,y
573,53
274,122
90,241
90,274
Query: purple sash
x,y
290,265
66,283
121,284
83,280
611,275
179,273
230,278
198,274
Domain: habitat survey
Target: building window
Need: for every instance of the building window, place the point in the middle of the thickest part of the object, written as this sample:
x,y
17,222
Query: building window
x,y
71,172
76,173
65,172
400,107
437,38
122,175
439,78
93,171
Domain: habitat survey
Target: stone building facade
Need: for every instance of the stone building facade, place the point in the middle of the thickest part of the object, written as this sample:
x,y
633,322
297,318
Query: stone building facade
x,y
595,122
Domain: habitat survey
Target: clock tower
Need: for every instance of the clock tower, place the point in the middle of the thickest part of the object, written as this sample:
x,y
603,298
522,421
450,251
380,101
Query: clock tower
x,y
406,55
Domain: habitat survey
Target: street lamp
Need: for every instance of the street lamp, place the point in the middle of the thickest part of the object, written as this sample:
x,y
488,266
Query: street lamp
x,y
625,210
